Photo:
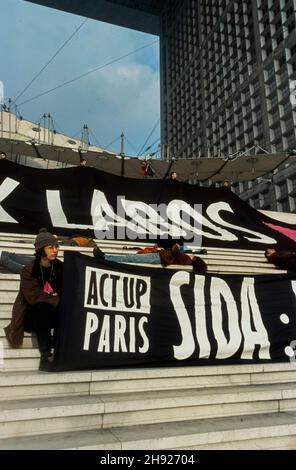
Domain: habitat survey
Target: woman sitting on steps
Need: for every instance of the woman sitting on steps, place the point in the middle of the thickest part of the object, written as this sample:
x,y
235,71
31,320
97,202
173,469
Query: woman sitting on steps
x,y
36,307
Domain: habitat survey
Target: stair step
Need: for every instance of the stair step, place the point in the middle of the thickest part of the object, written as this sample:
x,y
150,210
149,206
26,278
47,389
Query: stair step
x,y
9,286
28,342
7,297
3,322
6,315
21,353
5,312
126,409
19,364
271,443
2,334
32,383
7,275
192,434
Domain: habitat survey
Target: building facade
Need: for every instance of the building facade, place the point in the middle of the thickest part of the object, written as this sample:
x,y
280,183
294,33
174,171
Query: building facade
x,y
228,73
229,83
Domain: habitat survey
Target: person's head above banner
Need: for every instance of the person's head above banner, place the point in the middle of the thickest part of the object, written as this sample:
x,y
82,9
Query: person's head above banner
x,y
173,176
3,155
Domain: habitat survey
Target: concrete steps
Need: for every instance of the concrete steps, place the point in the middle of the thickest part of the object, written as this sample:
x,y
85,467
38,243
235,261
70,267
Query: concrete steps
x,y
29,342
30,384
202,407
218,433
36,416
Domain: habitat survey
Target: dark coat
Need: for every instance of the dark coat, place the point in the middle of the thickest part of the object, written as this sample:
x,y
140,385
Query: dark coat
x,y
30,293
283,260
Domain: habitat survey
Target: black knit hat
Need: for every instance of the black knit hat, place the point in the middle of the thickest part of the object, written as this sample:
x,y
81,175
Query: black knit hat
x,y
44,238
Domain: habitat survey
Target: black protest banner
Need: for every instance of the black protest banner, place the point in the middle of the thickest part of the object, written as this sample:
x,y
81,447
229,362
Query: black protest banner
x,y
115,315
93,203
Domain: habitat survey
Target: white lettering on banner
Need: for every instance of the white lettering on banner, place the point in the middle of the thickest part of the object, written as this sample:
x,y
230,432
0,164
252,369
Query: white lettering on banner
x,y
116,333
56,212
150,223
226,346
104,341
116,291
119,338
132,339
147,222
258,335
228,331
6,188
143,349
187,346
172,223
105,219
176,206
91,326
200,318
293,285
213,212
103,216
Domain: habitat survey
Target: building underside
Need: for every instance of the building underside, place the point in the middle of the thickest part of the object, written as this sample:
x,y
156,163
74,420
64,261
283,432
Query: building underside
x,y
141,15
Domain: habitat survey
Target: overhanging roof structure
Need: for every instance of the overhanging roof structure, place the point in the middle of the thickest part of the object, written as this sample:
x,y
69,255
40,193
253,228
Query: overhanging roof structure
x,y
244,168
21,137
141,15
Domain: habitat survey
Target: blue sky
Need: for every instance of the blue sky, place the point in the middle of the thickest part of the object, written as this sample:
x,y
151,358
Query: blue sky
x,y
122,96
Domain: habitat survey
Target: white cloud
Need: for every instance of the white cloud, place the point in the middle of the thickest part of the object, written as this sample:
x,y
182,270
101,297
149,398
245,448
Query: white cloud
x,y
129,98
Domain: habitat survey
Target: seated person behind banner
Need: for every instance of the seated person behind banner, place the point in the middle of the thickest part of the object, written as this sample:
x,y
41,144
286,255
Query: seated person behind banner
x,y
168,244
173,176
36,307
157,255
3,156
78,240
226,184
281,259
14,262
83,162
